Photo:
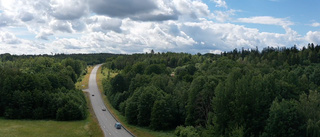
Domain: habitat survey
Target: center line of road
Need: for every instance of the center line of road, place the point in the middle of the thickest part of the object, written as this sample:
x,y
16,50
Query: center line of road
x,y
109,134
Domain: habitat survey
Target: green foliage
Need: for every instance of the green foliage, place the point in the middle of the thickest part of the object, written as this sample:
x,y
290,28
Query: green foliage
x,y
188,131
41,88
156,69
162,115
118,84
310,109
230,94
284,120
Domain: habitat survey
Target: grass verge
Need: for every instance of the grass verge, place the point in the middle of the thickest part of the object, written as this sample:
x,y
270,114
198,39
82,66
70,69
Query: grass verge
x,y
94,129
84,80
138,131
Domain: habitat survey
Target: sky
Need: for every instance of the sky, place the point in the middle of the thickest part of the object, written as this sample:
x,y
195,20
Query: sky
x,y
138,26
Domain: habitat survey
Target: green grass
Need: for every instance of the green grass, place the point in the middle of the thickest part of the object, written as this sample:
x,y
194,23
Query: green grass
x,y
138,131
43,128
83,84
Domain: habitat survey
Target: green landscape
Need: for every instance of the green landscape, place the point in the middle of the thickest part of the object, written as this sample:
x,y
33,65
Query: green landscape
x,y
159,68
273,92
238,93
23,68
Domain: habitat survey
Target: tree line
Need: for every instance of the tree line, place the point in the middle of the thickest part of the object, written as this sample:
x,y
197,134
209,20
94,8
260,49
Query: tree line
x,y
247,92
41,87
90,58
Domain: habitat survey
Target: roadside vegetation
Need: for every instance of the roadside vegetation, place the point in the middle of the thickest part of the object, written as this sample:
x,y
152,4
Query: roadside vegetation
x,y
49,128
106,74
33,88
42,88
43,128
238,93
83,81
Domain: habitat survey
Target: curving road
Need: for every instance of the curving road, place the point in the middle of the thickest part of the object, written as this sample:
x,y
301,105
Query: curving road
x,y
105,119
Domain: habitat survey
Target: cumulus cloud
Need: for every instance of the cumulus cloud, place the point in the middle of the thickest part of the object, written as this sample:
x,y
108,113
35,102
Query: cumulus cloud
x,y
220,3
8,38
223,16
6,20
192,9
62,26
313,37
150,10
68,9
104,24
44,34
26,16
130,26
121,8
315,24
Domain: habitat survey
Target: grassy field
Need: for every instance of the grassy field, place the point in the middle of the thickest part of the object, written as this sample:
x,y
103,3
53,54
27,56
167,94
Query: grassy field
x,y
138,131
49,128
43,128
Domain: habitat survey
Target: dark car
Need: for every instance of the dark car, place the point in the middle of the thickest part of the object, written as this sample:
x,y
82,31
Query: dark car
x,y
117,125
92,94
103,109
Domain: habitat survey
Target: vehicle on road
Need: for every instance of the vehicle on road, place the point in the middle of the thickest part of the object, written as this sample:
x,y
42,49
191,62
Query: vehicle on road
x,y
92,95
117,125
103,109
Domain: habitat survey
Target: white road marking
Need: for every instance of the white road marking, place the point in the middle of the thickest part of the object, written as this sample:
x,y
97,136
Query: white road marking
x,y
109,134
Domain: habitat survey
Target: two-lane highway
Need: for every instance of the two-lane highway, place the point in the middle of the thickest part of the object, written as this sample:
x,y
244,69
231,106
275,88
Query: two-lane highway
x,y
105,119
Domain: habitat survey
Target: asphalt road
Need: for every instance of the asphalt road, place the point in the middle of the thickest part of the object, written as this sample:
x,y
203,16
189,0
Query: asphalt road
x,y
105,119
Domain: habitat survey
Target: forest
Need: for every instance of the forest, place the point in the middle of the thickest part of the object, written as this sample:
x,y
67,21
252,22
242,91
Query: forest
x,y
39,87
90,59
247,92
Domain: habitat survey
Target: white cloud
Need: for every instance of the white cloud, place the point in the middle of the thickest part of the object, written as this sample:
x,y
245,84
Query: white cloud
x,y
220,3
313,37
223,16
215,51
266,20
315,24
26,16
192,9
8,38
44,34
6,19
68,9
104,24
62,26
92,26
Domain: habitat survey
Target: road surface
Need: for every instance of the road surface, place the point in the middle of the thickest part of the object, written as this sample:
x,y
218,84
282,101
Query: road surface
x,y
106,121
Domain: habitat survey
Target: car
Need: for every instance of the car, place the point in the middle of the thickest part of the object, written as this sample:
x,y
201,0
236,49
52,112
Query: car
x,y
92,95
117,125
103,109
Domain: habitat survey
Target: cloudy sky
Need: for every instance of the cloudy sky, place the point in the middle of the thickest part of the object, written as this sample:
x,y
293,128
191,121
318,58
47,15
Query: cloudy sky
x,y
135,26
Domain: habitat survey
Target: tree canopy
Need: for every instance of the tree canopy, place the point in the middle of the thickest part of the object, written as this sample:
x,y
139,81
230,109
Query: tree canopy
x,y
238,93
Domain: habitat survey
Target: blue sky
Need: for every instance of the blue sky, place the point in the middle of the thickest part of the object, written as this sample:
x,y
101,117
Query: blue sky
x,y
126,26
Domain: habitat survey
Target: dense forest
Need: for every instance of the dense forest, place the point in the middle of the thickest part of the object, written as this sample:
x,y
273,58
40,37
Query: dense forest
x,y
39,87
267,93
90,59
